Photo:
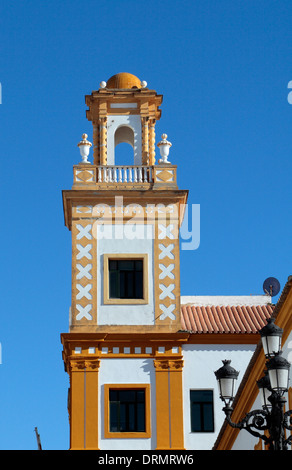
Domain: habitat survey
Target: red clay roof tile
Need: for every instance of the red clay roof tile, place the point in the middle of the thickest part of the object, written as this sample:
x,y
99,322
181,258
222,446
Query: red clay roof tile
x,y
240,319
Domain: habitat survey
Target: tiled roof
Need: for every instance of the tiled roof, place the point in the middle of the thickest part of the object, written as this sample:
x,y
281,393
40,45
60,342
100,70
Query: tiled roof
x,y
240,319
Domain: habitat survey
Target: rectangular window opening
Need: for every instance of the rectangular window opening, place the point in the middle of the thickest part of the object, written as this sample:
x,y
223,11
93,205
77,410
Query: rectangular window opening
x,y
127,411
202,410
125,279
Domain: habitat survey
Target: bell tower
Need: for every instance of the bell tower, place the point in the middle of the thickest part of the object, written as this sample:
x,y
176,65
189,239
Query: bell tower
x,y
125,306
123,110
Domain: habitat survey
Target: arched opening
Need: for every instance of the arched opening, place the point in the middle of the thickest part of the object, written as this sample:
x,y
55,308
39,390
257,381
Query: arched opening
x,y
124,146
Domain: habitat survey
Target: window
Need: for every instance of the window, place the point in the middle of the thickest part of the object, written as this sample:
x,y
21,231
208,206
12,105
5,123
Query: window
x,y
202,411
127,410
125,279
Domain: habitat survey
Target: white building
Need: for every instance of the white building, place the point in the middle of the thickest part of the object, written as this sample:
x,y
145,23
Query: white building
x,y
140,357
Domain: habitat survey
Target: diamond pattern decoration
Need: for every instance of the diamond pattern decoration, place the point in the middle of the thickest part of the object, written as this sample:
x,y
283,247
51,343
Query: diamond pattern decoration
x,y
84,175
164,176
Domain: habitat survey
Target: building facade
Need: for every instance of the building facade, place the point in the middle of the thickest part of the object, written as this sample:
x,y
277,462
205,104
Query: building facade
x,y
248,397
141,357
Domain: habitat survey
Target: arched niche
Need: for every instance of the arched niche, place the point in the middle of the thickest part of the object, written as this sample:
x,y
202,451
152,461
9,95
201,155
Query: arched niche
x,y
124,146
124,134
124,137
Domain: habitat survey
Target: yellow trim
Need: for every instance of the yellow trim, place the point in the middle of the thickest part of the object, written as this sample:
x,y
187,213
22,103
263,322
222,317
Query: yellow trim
x,y
162,405
83,370
99,104
91,404
127,435
83,403
169,403
83,281
77,407
75,197
176,404
124,256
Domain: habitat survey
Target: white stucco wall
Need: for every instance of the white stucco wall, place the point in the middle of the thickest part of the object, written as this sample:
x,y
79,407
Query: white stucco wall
x,y
200,362
126,371
116,121
138,314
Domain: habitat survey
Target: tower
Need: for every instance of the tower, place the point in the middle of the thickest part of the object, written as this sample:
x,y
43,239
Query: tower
x,y
123,351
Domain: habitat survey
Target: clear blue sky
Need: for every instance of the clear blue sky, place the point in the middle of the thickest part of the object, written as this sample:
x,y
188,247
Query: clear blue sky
x,y
223,68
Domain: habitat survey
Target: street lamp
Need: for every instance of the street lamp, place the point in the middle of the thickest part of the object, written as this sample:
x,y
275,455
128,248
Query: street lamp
x,y
265,391
272,387
278,368
226,377
271,336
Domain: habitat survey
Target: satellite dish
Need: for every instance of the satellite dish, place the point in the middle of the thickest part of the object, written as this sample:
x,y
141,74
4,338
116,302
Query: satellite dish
x,y
271,286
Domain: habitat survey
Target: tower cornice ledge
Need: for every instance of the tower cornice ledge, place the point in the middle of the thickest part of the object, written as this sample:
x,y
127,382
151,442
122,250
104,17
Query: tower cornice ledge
x,y
90,197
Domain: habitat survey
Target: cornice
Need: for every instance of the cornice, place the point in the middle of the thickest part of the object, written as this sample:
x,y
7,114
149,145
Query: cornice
x,y
126,337
142,197
223,338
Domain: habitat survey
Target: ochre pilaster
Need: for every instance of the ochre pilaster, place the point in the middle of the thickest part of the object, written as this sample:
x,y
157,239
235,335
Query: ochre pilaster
x,y
83,403
76,368
96,143
91,403
169,403
176,404
145,140
167,276
152,142
162,405
103,141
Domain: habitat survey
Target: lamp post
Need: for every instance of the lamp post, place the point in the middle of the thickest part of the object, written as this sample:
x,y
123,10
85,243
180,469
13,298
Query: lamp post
x,y
271,421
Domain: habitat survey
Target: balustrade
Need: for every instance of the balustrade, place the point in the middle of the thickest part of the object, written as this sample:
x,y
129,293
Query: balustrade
x,y
103,175
124,174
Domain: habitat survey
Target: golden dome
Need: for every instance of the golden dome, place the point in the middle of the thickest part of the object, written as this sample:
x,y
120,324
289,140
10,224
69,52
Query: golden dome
x,y
123,80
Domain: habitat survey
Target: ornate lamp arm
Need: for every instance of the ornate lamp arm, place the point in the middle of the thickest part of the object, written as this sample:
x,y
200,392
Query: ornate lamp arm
x,y
287,423
253,422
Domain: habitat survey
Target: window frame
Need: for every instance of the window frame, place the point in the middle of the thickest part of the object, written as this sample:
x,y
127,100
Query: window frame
x,y
127,434
202,431
124,257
